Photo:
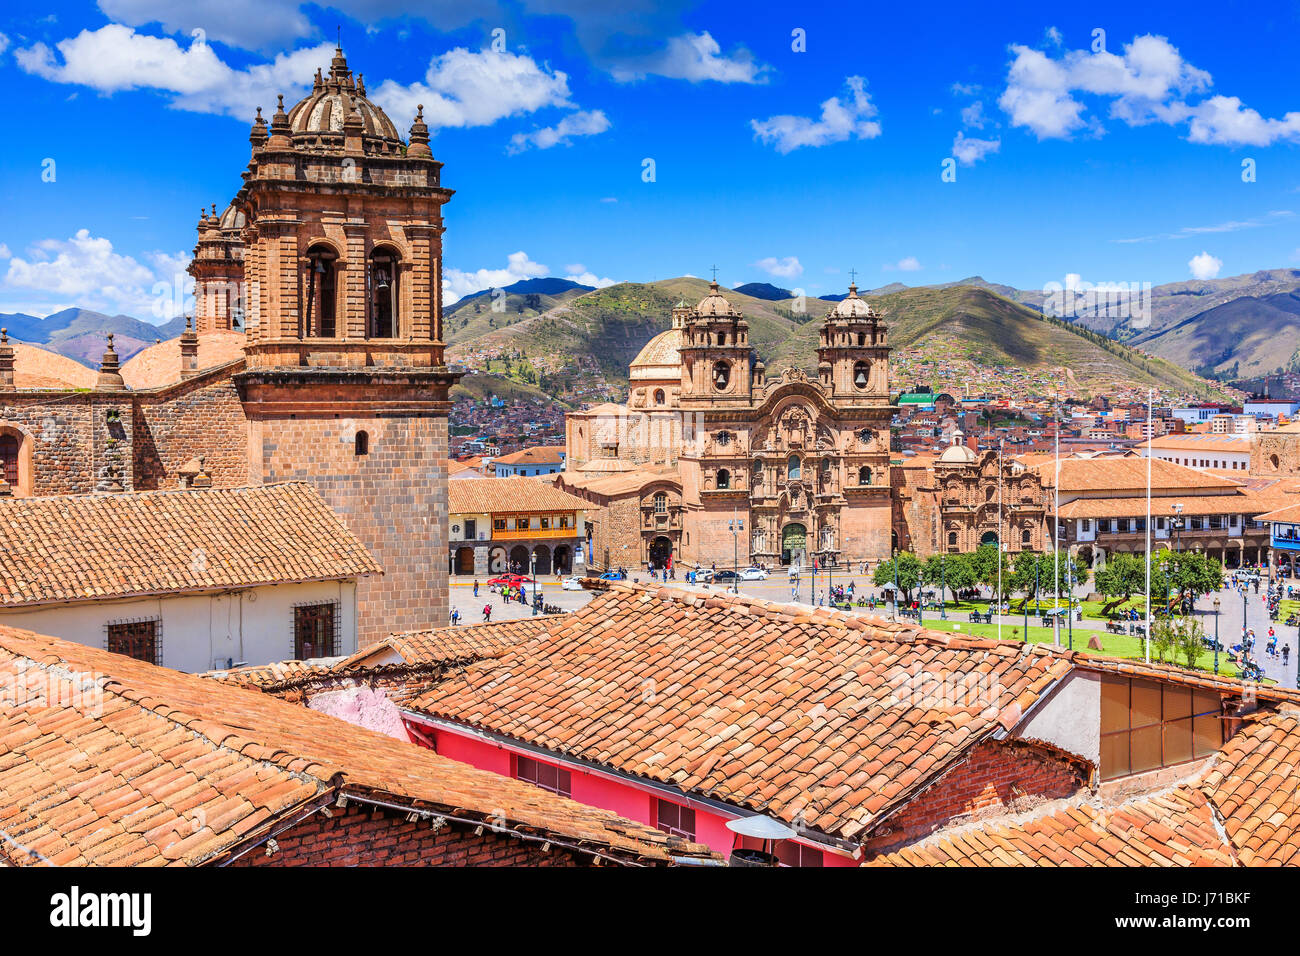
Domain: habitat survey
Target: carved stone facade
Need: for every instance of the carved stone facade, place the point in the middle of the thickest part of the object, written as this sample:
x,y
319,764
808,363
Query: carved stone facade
x,y
770,471
952,504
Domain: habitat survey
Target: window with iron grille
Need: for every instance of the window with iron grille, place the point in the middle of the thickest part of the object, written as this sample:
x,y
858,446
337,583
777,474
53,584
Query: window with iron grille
x,y
315,630
672,818
9,458
544,775
141,640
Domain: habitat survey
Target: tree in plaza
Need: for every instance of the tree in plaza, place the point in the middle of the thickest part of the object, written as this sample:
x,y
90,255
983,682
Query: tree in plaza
x,y
1189,639
1125,575
1191,573
909,573
1028,575
984,560
954,572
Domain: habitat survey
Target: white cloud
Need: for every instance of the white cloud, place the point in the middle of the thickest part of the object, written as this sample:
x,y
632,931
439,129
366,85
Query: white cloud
x,y
972,116
4,43
1204,266
695,57
466,88
85,271
590,278
1053,36
115,58
457,284
4,251
969,151
576,267
1149,83
609,199
787,268
581,123
1233,225
840,120
906,264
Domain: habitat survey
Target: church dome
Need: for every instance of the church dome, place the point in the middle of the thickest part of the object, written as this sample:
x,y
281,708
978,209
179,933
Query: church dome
x,y
852,307
231,219
317,120
660,359
958,453
715,303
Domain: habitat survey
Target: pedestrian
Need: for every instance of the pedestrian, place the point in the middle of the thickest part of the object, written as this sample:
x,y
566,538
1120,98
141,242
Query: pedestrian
x,y
1286,652
476,587
487,611
455,616
522,597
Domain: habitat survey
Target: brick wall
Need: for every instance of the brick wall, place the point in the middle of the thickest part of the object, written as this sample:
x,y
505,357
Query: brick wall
x,y
199,418
368,836
996,778
394,499
69,443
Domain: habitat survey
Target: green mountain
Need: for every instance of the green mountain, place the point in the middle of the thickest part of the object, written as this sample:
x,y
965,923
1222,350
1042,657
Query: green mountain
x,y
1244,338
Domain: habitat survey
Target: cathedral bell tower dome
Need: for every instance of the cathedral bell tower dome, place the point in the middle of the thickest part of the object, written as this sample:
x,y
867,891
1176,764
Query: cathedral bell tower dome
x,y
718,365
852,353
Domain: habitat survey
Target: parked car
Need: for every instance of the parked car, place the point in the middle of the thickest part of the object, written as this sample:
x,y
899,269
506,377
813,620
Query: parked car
x,y
572,584
726,576
703,575
513,580
753,574
612,576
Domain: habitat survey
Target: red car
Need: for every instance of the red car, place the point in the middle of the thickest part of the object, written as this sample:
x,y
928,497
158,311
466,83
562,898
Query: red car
x,y
514,580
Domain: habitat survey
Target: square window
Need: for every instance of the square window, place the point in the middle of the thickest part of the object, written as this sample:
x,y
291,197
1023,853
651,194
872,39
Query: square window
x,y
137,639
675,819
315,631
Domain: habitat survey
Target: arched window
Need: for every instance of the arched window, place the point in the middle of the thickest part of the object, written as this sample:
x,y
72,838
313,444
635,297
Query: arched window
x,y
861,374
661,503
382,293
793,468
721,375
724,478
1026,537
864,475
659,396
952,539
9,445
362,443
826,466
322,293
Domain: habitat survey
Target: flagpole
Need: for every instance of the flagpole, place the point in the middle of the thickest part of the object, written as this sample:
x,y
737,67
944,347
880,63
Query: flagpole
x,y
998,597
1056,535
1146,638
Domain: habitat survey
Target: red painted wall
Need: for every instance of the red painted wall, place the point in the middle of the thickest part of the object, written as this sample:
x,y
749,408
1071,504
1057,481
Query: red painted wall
x,y
595,790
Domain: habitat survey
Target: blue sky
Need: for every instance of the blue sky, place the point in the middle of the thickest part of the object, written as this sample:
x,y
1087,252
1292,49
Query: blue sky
x,y
1116,157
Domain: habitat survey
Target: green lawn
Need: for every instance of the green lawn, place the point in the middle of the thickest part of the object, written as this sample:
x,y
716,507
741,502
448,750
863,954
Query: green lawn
x,y
1113,645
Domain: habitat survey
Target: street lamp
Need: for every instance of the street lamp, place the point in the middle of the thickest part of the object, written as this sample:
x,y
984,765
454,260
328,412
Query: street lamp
x,y
1217,605
1178,523
737,528
943,589
533,560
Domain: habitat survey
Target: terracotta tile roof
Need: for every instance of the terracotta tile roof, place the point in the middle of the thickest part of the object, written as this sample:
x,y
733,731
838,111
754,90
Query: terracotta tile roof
x,y
1246,502
93,547
1232,443
1129,473
516,493
160,364
1176,828
1241,810
1253,784
535,455
138,764
1286,513
776,708
38,368
452,645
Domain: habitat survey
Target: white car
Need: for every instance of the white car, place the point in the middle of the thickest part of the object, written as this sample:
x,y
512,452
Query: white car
x,y
572,584
753,574
703,575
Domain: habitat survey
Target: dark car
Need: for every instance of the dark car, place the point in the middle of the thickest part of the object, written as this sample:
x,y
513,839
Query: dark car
x,y
726,576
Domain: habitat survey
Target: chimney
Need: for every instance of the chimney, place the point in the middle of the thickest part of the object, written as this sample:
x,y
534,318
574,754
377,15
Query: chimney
x,y
189,351
202,479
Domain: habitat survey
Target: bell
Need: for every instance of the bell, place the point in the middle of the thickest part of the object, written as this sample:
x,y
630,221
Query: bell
x,y
860,379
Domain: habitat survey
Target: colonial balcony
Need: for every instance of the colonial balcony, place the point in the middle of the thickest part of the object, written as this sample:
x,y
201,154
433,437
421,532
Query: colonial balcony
x,y
520,534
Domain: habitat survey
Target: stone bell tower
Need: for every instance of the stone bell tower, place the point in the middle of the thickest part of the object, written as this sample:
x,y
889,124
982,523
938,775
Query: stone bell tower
x,y
853,355
345,384
718,366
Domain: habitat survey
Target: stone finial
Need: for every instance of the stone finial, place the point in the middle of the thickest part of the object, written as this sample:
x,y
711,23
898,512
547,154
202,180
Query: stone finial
x,y
419,147
110,371
257,133
6,362
279,126
202,479
189,351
